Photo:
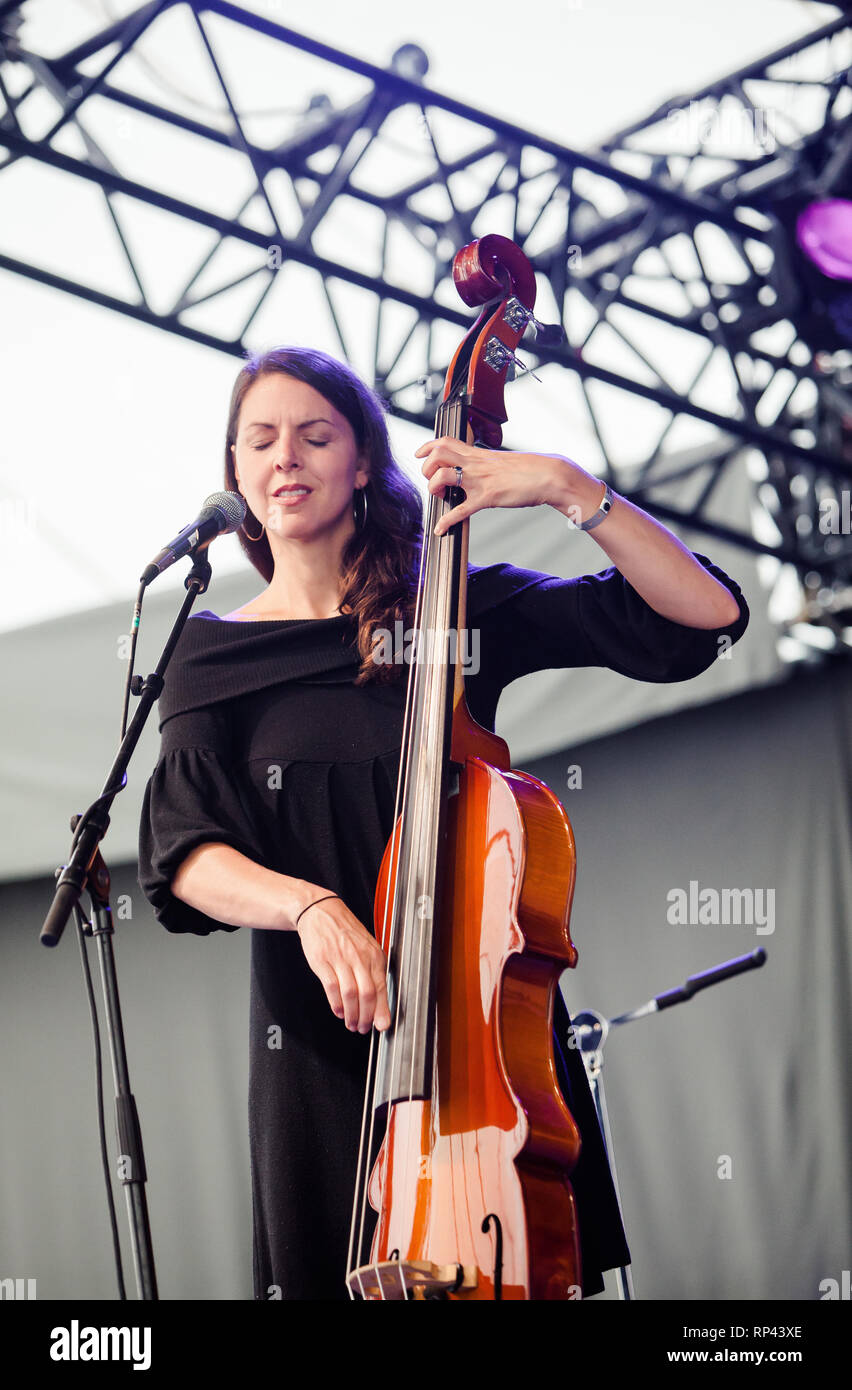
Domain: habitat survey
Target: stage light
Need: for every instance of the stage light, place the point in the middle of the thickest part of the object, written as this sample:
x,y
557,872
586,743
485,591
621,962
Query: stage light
x,y
824,232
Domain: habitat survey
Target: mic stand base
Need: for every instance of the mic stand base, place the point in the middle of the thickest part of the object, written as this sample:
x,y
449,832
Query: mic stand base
x,y
590,1030
130,1160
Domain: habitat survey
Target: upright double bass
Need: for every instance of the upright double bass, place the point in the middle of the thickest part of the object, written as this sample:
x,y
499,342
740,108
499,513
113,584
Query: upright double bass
x,y
467,1144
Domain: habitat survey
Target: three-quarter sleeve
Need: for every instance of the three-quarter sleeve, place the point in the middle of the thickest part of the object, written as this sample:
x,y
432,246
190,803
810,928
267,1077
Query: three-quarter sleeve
x,y
545,622
191,799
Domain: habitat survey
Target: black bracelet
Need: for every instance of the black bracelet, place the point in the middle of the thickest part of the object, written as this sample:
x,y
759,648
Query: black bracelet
x,y
314,903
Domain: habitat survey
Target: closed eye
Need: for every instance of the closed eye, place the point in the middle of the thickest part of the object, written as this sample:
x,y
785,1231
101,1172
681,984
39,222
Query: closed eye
x,y
317,443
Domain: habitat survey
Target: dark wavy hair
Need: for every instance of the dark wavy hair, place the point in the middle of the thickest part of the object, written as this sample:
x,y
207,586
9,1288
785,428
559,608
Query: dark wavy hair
x,y
380,562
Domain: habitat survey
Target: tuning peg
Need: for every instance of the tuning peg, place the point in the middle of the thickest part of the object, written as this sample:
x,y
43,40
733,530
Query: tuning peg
x,y
549,334
498,356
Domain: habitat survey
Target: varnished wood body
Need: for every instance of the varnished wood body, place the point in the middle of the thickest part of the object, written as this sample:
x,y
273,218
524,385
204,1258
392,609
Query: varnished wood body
x,y
497,1137
484,1161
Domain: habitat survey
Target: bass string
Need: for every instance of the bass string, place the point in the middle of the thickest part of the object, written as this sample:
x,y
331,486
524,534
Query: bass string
x,y
435,682
366,1144
423,813
437,676
403,783
448,421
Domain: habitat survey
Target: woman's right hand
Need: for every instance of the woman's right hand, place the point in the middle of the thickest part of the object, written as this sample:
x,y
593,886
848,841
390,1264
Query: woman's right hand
x,y
349,963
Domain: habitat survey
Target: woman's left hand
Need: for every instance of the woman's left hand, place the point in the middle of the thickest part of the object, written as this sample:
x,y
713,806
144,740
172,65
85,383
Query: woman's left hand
x,y
495,478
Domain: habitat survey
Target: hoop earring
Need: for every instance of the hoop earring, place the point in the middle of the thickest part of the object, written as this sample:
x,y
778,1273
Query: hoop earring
x,y
250,537
360,521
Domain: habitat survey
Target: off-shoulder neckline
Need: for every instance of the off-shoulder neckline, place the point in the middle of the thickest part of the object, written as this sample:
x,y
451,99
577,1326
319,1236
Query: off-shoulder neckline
x,y
267,622
472,570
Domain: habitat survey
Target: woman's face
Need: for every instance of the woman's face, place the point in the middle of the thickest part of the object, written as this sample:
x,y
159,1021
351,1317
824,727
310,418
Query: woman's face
x,y
296,459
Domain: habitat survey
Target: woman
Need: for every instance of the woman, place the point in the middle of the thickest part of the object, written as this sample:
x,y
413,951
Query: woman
x,y
273,797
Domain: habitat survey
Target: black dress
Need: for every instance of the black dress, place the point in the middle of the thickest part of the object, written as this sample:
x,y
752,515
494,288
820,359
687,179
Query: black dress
x,y
268,746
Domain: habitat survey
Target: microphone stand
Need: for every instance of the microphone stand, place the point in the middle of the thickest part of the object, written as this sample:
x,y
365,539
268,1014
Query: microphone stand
x,y
591,1031
86,869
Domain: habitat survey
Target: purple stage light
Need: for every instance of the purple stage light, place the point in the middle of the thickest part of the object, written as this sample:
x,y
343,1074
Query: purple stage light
x,y
824,233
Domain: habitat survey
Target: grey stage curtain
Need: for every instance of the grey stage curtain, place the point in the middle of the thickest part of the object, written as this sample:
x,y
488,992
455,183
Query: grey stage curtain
x,y
750,792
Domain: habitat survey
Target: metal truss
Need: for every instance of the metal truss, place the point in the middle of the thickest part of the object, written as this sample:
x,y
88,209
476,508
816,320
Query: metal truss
x,y
659,254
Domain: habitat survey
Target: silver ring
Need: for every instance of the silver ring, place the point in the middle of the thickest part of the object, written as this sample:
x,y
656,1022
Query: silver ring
x,y
458,476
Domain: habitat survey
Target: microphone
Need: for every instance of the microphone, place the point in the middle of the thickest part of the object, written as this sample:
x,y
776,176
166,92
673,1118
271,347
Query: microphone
x,y
222,512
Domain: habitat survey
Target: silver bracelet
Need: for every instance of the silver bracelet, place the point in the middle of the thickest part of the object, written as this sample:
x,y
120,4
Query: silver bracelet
x,y
602,511
314,903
